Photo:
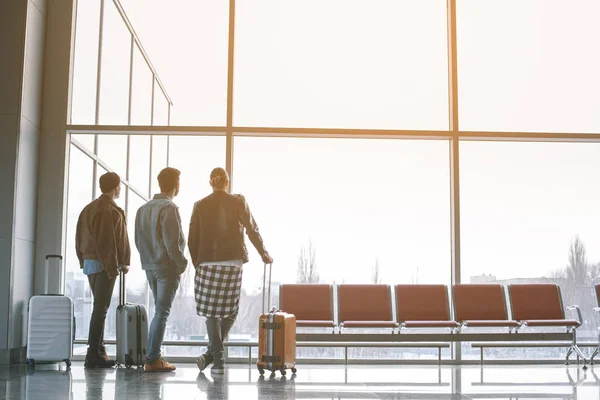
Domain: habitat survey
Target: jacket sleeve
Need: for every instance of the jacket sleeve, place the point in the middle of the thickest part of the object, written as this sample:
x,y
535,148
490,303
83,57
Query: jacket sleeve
x,y
173,237
78,243
194,236
251,227
105,226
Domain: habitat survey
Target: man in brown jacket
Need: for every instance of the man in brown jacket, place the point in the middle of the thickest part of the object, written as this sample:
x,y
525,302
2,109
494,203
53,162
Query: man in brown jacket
x,y
102,246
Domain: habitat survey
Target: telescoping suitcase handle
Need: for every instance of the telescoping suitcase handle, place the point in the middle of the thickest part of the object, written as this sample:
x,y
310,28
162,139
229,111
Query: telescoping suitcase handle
x,y
121,288
60,271
265,288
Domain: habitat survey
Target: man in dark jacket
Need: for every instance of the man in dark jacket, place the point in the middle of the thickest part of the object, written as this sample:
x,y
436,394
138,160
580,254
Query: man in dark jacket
x,y
216,243
102,246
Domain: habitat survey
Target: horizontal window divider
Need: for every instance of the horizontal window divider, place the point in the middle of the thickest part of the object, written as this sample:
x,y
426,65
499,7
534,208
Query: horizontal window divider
x,y
335,133
146,130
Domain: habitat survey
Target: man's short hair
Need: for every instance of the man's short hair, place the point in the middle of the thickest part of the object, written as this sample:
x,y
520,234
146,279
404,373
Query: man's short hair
x,y
168,179
109,182
219,178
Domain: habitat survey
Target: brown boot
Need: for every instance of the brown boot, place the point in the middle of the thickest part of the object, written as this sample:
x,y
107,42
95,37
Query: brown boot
x,y
93,359
104,356
159,365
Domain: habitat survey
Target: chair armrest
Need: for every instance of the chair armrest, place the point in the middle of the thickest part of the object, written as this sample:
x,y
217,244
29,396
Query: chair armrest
x,y
579,316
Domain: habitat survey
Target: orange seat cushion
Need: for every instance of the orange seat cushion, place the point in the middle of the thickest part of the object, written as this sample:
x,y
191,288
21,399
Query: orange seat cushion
x,y
491,323
430,324
370,324
552,322
314,324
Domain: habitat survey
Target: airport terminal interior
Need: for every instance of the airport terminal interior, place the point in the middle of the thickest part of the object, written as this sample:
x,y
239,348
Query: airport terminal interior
x,y
424,175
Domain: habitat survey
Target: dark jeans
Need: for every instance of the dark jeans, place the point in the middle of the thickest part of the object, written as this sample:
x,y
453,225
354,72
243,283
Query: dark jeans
x,y
164,285
218,329
102,288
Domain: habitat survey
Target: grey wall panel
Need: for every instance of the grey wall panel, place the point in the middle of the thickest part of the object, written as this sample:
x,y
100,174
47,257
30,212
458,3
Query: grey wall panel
x,y
34,65
41,5
12,27
9,125
27,181
22,289
5,264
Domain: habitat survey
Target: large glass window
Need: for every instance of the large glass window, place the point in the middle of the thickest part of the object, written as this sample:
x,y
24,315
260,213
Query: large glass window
x,y
357,204
81,173
187,43
141,90
528,65
341,64
85,67
529,214
115,68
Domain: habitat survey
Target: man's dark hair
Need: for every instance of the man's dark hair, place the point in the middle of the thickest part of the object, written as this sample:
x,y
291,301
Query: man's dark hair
x,y
109,182
168,179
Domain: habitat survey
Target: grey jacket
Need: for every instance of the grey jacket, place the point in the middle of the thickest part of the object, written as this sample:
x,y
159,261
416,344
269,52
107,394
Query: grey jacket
x,y
158,235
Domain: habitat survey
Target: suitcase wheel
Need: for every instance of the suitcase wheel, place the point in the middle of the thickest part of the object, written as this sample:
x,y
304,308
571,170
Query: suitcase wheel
x,y
128,361
68,363
294,370
283,371
260,371
31,361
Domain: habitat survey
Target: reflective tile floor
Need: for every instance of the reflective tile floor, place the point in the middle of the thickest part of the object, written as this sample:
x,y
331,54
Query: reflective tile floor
x,y
311,382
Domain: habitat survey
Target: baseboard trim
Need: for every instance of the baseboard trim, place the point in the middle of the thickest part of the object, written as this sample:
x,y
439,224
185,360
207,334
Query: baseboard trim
x,y
13,356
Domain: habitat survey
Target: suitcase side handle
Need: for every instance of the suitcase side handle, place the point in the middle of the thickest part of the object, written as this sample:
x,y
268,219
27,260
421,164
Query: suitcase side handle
x,y
265,288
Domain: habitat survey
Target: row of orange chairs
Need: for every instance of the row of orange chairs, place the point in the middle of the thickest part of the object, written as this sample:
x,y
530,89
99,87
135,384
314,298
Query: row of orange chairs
x,y
428,306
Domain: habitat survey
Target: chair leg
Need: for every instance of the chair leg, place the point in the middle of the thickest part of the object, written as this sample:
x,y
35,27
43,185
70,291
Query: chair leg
x,y
580,354
569,355
596,351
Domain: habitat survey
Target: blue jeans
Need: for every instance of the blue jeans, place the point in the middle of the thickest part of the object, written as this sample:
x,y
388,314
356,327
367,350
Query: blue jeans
x,y
164,284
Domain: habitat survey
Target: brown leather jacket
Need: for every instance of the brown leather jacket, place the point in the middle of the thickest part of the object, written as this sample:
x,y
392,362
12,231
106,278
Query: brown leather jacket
x,y
102,235
217,229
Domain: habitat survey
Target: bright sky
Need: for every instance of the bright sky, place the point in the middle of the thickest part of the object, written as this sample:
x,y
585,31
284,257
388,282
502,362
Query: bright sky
x,y
523,66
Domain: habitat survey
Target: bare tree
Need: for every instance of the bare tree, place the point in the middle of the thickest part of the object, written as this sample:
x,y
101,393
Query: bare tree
x,y
307,265
578,270
375,276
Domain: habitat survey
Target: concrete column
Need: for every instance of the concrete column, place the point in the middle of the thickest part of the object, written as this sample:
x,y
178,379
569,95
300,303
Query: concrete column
x,y
23,25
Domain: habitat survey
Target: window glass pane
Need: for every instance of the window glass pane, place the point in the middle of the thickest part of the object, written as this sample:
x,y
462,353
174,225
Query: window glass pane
x,y
85,67
139,163
112,149
525,208
86,140
141,90
116,53
161,107
187,44
159,159
539,75
81,170
341,64
386,200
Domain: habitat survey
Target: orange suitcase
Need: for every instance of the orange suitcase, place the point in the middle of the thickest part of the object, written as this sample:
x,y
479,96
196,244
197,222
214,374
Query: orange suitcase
x,y
276,337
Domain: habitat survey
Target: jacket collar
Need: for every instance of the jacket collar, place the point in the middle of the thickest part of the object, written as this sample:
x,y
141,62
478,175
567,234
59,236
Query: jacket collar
x,y
160,196
107,198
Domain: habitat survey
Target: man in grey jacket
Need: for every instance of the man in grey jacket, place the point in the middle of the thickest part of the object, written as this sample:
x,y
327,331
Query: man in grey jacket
x,y
161,243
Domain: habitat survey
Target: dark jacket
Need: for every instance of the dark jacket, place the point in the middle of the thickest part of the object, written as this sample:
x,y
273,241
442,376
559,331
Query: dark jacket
x,y
102,235
217,229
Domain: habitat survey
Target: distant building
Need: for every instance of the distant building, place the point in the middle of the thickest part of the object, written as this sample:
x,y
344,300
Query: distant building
x,y
483,279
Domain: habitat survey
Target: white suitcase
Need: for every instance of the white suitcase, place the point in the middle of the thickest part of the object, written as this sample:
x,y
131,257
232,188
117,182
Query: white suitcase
x,y
132,331
51,324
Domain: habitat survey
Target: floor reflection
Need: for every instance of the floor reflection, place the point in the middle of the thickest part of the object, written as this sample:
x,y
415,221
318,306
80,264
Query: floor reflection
x,y
311,382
